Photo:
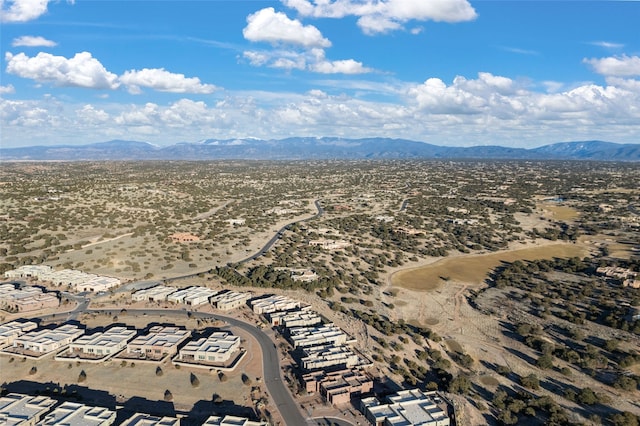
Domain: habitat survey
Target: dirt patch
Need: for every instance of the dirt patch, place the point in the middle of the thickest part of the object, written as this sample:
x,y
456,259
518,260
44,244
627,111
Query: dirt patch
x,y
474,269
454,346
489,381
561,212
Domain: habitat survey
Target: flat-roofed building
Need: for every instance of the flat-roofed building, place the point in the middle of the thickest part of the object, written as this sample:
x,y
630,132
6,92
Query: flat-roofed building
x,y
26,299
28,271
327,356
230,300
338,387
159,342
157,293
75,414
23,410
9,331
232,421
217,348
267,305
302,337
193,296
199,296
306,276
407,407
45,341
103,344
142,419
290,319
68,277
97,284
330,244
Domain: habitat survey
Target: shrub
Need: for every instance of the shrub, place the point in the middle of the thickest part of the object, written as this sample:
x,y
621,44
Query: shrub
x,y
82,376
33,370
168,396
159,371
195,382
246,380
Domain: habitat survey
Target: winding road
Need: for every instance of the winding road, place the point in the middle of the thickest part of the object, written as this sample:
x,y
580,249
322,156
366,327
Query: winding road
x,y
263,250
276,387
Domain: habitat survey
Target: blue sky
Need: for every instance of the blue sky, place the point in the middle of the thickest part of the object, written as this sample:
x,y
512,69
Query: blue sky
x,y
448,72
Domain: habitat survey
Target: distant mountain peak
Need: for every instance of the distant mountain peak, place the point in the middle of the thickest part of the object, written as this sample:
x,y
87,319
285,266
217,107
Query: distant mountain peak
x,y
316,148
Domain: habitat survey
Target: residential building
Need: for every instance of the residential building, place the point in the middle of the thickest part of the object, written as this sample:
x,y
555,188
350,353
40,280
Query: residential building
x,y
328,356
79,280
141,419
103,344
183,237
191,295
157,293
270,304
330,244
290,319
338,387
302,337
48,340
28,271
407,407
75,414
233,222
232,421
26,299
306,276
230,300
13,329
98,284
215,349
23,410
159,342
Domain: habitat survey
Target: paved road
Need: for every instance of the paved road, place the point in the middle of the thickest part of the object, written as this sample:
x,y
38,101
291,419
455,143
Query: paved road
x,y
270,361
264,249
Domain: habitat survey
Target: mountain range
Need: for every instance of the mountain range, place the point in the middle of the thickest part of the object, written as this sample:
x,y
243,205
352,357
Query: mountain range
x,y
310,148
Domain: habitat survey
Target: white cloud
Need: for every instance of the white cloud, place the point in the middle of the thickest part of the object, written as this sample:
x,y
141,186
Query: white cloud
x,y
620,66
23,10
8,89
347,66
80,71
163,81
33,41
312,60
487,109
607,44
275,27
379,16
90,115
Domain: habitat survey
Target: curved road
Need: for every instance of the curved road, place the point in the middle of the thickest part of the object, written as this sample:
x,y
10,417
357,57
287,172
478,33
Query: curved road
x,y
264,249
277,389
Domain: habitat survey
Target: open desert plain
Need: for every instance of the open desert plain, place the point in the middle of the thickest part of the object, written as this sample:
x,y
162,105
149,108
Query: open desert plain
x,y
509,288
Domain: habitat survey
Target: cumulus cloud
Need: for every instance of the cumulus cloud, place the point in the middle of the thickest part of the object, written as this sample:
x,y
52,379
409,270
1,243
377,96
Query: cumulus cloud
x,y
619,66
380,16
80,71
23,10
163,81
347,66
484,109
5,90
275,27
91,115
33,41
312,60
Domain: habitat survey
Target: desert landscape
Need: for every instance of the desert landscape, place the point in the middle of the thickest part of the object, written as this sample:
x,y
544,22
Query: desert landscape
x,y
476,279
